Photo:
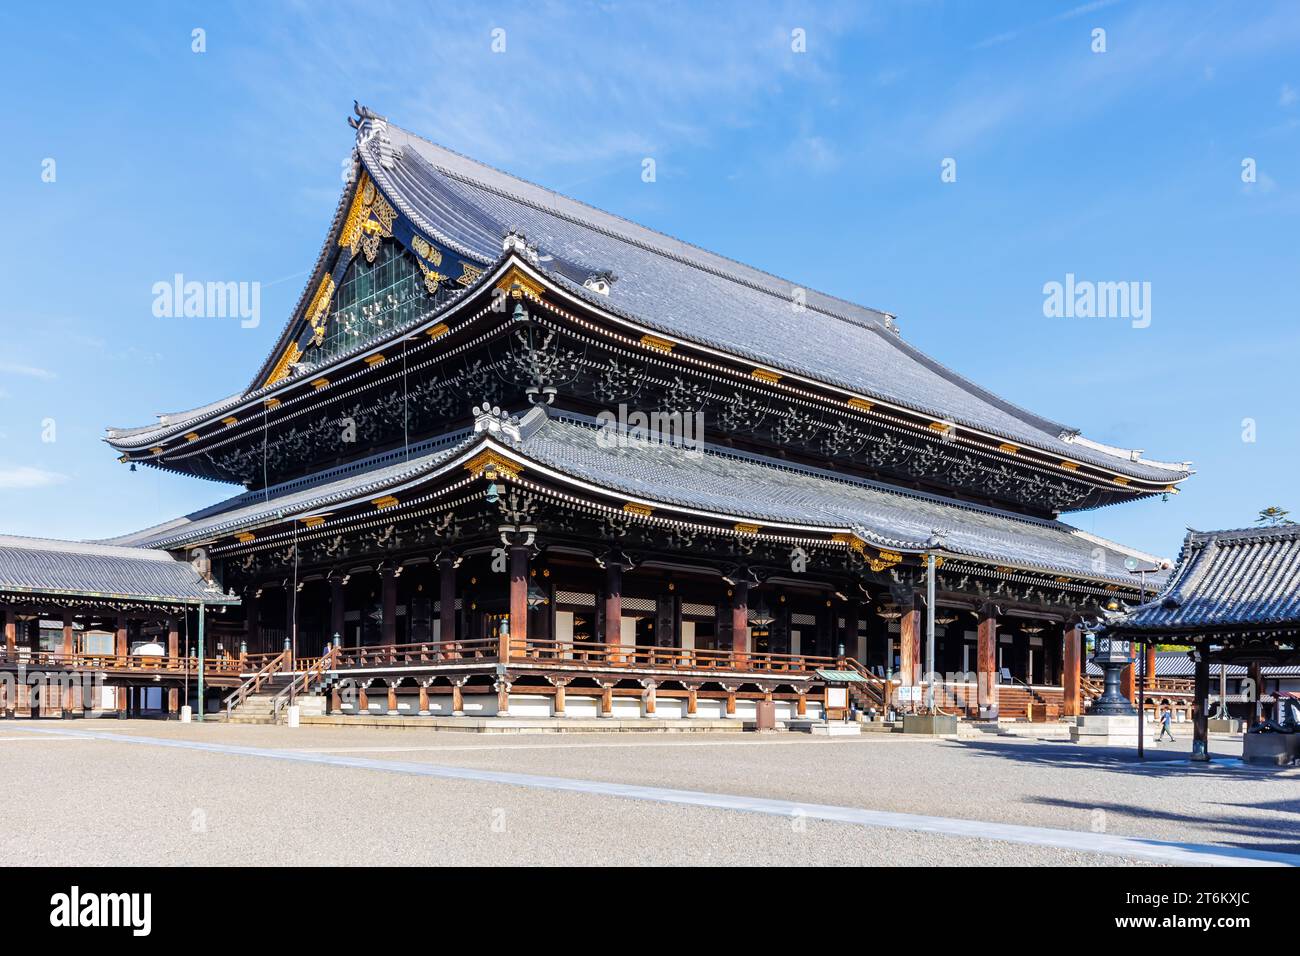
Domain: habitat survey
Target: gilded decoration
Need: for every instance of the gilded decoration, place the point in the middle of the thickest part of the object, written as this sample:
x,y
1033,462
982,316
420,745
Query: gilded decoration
x,y
370,220
281,371
469,274
491,461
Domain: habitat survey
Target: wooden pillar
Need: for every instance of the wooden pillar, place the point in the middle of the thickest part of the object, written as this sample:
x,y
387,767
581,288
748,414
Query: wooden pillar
x,y
648,697
987,662
69,662
1072,656
1255,672
173,654
388,584
424,699
731,699
692,700
1201,709
11,634
518,636
446,598
120,649
457,696
801,706
336,701
606,699
740,622
502,687
338,609
392,699
363,700
1151,666
560,704
613,603
1127,683
909,645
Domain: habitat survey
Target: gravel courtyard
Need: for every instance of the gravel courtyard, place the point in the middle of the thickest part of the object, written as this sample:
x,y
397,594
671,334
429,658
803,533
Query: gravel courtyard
x,y
102,799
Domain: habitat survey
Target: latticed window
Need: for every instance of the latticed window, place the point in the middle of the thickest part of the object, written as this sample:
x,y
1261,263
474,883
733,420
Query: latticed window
x,y
373,299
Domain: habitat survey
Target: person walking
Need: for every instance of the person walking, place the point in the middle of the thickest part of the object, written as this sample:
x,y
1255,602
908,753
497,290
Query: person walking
x,y
1166,719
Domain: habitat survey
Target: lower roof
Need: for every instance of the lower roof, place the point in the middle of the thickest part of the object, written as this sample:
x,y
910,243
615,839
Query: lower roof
x,y
705,481
52,568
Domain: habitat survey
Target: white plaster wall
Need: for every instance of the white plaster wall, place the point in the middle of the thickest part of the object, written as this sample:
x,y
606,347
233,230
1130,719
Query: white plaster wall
x,y
688,635
627,631
795,642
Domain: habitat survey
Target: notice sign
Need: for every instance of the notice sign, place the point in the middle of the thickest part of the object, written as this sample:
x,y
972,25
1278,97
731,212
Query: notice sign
x,y
837,697
908,692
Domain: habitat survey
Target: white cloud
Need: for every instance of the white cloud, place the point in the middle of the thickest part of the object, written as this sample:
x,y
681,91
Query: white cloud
x,y
1288,96
30,371
25,477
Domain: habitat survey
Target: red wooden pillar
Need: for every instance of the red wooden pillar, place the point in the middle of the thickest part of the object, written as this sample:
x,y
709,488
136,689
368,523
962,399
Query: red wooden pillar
x,y
11,634
1127,683
987,661
69,650
1151,665
740,622
518,636
909,645
173,652
613,608
1072,656
120,649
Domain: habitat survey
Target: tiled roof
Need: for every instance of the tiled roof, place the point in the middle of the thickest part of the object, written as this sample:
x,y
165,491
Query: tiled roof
x,y
713,480
683,290
746,486
49,567
1248,577
358,479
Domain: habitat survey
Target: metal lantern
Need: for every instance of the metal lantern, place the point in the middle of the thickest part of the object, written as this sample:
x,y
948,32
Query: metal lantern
x,y
1112,655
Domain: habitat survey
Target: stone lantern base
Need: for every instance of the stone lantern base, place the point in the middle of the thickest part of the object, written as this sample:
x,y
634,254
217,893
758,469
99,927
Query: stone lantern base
x,y
1104,730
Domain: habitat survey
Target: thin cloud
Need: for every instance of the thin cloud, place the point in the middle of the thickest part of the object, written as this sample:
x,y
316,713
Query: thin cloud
x,y
25,477
28,371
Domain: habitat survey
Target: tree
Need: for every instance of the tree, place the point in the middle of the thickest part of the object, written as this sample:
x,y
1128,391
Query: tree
x,y
1273,515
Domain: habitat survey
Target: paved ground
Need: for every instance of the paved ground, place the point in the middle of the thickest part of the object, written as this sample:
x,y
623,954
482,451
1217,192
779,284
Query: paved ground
x,y
417,797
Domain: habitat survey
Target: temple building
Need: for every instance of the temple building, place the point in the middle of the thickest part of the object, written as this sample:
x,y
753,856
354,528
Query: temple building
x,y
515,455
1234,599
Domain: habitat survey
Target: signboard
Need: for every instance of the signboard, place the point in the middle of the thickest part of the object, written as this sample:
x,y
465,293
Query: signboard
x,y
837,698
908,692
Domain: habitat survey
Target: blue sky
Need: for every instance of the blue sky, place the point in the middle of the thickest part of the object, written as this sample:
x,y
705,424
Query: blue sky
x,y
823,167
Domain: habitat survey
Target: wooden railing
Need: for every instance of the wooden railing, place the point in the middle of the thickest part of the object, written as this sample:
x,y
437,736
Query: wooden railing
x,y
415,655
254,683
670,658
218,666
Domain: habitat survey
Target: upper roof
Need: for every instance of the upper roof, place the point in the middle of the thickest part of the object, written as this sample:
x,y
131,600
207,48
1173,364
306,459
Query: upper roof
x,y
679,289
1225,579
50,567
